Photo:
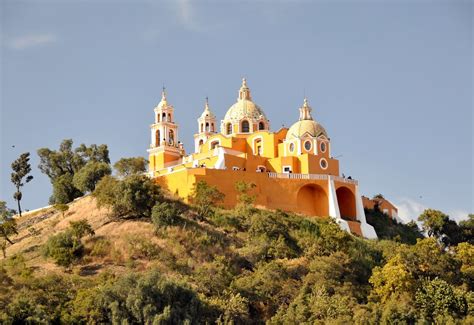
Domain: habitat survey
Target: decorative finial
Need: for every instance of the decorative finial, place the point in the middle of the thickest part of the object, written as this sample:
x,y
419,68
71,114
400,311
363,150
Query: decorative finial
x,y
206,107
244,82
305,103
163,93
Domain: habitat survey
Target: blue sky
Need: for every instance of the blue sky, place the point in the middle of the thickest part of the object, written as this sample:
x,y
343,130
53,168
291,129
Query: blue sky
x,y
390,81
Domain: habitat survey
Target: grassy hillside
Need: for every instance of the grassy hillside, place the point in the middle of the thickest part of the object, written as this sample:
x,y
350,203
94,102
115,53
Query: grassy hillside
x,y
233,266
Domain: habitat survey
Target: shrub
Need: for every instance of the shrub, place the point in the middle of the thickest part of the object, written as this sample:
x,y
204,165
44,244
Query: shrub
x,y
206,196
142,247
165,214
88,176
66,247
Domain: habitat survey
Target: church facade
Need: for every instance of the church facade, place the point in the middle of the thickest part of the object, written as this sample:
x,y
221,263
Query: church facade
x,y
292,168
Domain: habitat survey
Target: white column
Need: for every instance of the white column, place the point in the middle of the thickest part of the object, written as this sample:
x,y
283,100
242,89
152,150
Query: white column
x,y
334,206
367,230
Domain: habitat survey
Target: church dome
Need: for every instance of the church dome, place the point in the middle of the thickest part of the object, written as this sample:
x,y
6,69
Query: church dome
x,y
244,107
306,125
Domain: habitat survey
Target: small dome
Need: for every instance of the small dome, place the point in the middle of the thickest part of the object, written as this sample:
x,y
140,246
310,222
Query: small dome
x,y
207,112
306,127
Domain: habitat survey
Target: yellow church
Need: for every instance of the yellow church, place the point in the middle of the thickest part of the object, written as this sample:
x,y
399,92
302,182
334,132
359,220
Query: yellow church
x,y
293,169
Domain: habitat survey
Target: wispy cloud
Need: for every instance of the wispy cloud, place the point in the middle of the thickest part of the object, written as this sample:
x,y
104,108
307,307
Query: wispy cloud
x,y
33,40
410,209
186,14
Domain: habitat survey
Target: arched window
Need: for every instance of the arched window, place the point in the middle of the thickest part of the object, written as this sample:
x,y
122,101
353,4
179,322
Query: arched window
x,y
158,118
245,127
169,117
207,127
202,128
212,127
257,145
157,138
171,137
229,128
201,142
261,126
214,144
163,117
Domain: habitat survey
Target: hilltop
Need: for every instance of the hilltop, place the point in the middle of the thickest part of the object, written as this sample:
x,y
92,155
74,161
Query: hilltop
x,y
243,265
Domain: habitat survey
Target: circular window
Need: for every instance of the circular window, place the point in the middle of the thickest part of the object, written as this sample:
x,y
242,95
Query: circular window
x,y
292,147
323,146
307,145
323,163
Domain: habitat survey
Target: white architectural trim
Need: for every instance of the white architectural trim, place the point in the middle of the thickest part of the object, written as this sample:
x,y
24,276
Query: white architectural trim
x,y
253,144
334,207
367,230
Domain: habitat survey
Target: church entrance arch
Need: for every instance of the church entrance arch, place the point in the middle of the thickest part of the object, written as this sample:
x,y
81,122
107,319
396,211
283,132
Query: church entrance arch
x,y
312,200
347,204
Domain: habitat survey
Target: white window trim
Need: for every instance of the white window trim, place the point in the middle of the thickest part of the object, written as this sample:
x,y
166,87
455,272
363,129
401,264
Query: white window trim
x,y
310,143
214,141
320,163
253,144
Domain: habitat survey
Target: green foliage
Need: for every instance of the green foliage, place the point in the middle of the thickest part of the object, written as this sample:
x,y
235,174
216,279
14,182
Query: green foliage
x,y
21,168
206,196
140,299
88,176
142,247
132,197
64,190
61,207
8,226
62,165
244,189
387,228
66,247
447,231
437,298
238,266
130,166
81,228
165,214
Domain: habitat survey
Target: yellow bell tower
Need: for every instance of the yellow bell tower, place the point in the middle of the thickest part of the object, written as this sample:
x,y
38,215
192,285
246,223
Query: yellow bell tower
x,y
206,127
164,147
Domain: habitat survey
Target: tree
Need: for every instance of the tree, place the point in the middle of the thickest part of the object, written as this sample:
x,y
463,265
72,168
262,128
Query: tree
x,y
62,165
467,229
130,166
7,226
433,222
244,197
21,168
88,176
205,196
132,197
439,225
81,228
61,208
